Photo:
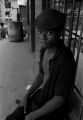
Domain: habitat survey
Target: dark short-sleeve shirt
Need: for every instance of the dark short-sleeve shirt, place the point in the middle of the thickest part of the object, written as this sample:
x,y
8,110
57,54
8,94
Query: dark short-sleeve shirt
x,y
61,75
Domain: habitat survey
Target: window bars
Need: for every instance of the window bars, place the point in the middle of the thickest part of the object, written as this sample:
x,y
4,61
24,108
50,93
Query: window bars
x,y
73,33
73,10
73,29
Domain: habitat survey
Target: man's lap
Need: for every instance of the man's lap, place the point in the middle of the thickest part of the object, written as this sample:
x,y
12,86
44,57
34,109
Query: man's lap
x,y
18,114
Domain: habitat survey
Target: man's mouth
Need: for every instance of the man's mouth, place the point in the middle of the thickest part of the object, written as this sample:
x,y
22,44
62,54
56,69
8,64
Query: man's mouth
x,y
43,44
43,41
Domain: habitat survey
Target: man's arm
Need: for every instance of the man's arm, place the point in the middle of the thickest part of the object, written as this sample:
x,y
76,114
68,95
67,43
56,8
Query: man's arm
x,y
49,107
36,84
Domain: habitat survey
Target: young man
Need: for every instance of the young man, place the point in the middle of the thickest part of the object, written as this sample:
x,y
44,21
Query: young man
x,y
48,96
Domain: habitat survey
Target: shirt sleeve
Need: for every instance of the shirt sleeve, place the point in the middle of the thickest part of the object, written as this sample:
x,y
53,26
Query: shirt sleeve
x,y
65,79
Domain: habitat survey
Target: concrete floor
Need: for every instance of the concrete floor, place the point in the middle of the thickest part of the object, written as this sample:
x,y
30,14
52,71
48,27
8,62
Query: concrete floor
x,y
17,69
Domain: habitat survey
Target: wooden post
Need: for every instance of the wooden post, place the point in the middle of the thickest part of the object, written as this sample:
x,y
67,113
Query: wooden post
x,y
32,25
28,17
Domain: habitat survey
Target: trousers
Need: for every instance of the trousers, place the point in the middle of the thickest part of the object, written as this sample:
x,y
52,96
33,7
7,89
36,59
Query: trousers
x,y
18,113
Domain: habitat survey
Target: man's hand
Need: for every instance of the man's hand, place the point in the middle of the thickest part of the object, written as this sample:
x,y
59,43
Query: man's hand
x,y
23,103
30,116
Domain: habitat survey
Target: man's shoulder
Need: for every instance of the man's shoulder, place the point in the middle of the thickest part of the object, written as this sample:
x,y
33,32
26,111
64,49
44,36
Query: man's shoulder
x,y
65,57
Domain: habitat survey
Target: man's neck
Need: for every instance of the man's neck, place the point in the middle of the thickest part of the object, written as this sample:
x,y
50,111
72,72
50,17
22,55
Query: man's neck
x,y
51,50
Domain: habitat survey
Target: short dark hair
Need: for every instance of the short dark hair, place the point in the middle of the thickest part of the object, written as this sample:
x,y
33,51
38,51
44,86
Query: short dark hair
x,y
2,24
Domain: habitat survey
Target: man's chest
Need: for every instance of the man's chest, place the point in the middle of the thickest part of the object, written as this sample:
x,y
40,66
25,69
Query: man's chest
x,y
47,57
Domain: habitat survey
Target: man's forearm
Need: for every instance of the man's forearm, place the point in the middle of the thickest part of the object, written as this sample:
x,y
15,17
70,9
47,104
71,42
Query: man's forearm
x,y
49,107
37,82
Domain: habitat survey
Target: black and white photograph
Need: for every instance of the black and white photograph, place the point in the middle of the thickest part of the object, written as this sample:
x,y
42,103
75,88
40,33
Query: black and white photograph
x,y
41,59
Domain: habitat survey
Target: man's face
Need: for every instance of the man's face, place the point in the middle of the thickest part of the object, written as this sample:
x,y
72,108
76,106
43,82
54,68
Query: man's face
x,y
48,38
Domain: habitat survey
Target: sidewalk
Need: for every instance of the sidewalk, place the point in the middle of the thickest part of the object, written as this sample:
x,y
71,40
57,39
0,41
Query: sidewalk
x,y
18,68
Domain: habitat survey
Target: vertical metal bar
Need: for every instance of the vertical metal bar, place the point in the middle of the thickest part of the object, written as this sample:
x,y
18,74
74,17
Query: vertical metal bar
x,y
59,4
50,3
77,26
71,25
33,25
47,3
43,4
54,3
79,42
64,6
63,36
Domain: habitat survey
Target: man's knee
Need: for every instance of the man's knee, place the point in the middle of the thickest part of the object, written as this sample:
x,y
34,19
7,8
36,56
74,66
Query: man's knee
x,y
18,114
10,118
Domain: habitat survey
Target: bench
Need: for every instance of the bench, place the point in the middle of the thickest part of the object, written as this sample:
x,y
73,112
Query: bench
x,y
76,105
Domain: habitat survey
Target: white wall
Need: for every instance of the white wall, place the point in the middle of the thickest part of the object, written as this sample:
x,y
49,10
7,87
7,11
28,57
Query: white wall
x,y
14,11
38,7
2,9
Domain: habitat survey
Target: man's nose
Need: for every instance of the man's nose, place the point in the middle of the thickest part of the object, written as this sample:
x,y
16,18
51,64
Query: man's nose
x,y
44,36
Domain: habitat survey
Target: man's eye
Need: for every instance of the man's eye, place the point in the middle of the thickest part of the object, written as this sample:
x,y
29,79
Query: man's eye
x,y
49,33
39,32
